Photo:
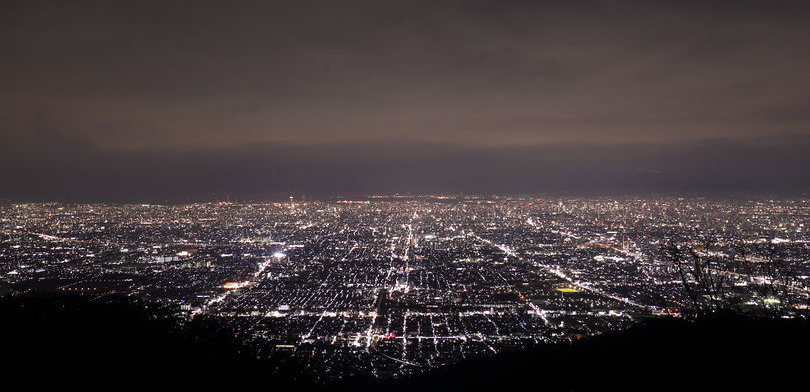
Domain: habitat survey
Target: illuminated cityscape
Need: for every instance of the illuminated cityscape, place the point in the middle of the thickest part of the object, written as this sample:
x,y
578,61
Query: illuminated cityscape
x,y
392,285
405,195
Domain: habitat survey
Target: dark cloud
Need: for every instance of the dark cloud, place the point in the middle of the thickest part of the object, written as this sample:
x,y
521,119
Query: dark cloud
x,y
193,98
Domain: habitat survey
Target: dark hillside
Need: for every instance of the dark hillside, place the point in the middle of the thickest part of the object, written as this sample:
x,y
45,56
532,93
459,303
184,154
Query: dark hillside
x,y
117,342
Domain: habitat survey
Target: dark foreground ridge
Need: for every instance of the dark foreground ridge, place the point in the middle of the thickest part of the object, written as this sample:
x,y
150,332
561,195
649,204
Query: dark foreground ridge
x,y
115,342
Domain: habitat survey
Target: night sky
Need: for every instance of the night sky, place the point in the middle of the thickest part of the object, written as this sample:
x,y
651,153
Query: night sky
x,y
136,101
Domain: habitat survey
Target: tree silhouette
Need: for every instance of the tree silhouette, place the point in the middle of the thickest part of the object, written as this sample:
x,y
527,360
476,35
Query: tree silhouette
x,y
703,276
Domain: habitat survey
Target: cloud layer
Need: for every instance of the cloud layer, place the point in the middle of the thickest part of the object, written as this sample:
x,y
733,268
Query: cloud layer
x,y
193,98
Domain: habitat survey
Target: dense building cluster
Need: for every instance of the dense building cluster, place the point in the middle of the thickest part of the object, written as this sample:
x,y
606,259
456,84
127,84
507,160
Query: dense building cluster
x,y
391,285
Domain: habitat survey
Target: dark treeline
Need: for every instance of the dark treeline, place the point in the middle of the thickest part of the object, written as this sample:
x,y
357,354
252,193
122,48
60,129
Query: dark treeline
x,y
114,343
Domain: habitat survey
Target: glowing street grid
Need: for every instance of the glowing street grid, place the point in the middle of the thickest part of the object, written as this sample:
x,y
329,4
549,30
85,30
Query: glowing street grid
x,y
392,285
